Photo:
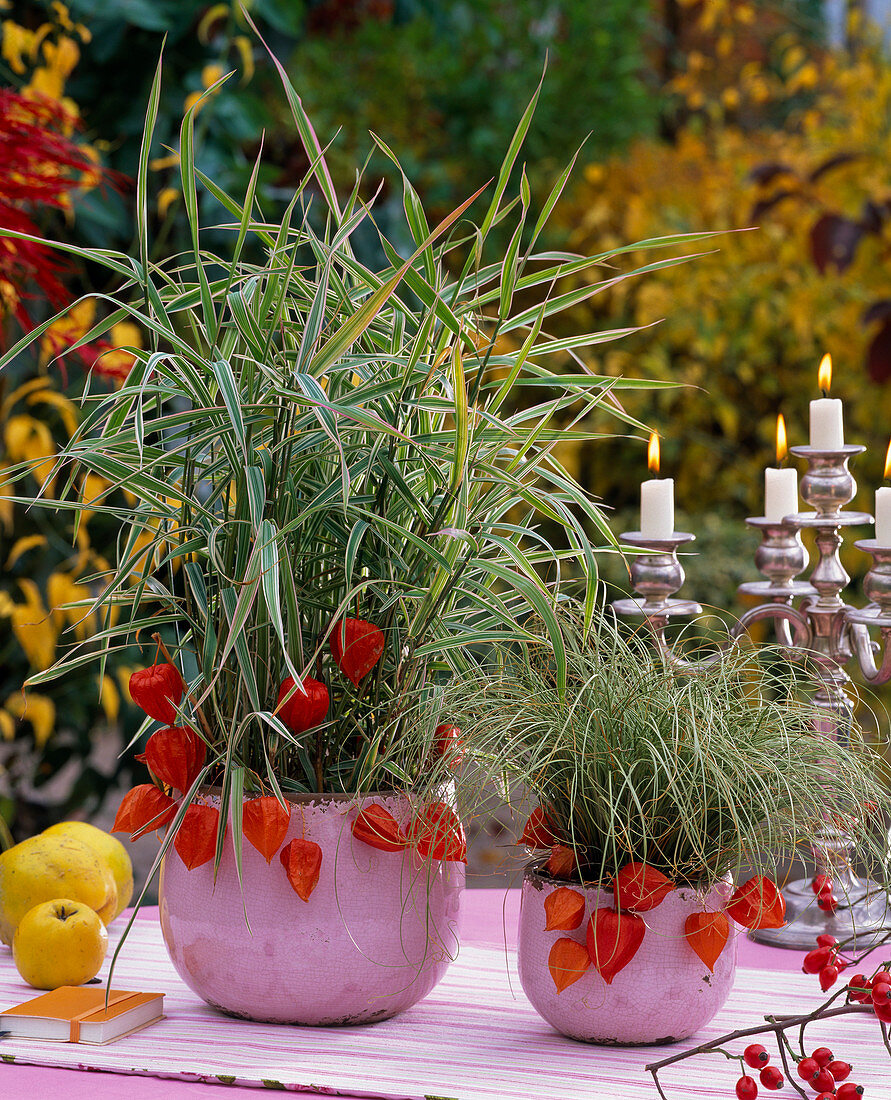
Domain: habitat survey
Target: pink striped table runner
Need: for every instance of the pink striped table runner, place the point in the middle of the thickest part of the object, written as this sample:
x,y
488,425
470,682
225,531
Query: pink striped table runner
x,y
475,1038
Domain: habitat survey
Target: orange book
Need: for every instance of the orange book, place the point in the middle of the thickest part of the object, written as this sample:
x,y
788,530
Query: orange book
x,y
78,1014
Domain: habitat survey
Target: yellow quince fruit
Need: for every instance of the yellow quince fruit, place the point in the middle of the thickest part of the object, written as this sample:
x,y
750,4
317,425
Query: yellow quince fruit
x,y
46,867
108,848
59,942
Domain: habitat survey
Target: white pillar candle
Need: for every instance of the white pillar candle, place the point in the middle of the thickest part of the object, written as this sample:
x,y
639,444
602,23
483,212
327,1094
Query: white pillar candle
x,y
827,430
780,493
883,516
657,508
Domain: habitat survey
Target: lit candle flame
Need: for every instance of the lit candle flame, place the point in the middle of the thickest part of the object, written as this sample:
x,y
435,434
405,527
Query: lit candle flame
x,y
824,374
888,462
653,453
782,448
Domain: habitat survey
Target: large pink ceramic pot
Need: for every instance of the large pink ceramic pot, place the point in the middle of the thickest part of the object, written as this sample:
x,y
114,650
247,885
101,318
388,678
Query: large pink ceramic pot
x,y
376,935
664,994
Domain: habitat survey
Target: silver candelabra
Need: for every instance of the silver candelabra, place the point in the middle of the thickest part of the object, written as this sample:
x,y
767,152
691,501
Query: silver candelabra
x,y
811,621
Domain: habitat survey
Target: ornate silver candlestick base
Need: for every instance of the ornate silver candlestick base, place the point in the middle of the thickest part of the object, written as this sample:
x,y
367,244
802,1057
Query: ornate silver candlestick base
x,y
821,629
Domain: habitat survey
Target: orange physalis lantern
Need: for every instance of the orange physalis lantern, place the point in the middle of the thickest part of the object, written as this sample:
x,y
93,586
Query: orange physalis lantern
x,y
568,960
302,861
758,903
142,809
264,822
613,941
175,755
561,862
564,910
377,827
707,933
158,690
196,838
447,744
356,646
538,832
640,887
305,709
437,834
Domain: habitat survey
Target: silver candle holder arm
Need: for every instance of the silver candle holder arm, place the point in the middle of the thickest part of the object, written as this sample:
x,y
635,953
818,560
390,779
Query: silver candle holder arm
x,y
812,623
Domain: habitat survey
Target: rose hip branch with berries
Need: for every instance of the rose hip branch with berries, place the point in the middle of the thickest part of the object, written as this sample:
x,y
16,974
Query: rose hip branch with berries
x,y
820,1071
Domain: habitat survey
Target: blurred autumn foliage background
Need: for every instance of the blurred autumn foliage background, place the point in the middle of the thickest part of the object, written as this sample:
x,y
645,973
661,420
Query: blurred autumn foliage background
x,y
727,116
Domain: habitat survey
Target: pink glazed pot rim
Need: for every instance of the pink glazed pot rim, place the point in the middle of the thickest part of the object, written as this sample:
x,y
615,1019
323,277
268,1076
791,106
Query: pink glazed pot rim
x,y
538,877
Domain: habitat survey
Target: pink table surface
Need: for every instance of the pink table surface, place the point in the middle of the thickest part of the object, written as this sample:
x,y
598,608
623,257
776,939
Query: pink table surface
x,y
489,919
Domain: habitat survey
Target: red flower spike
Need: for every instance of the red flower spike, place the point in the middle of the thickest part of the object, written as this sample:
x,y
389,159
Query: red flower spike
x,y
758,903
564,910
176,756
538,832
264,822
447,744
567,961
640,887
305,709
707,934
142,809
196,838
377,827
158,690
437,834
561,862
356,646
613,940
302,861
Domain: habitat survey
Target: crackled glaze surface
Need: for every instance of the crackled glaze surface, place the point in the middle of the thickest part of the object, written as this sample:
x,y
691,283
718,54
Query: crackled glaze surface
x,y
665,993
376,936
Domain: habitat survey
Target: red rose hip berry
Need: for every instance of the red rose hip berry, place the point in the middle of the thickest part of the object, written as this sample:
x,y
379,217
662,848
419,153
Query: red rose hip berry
x,y
849,1091
823,1081
822,1056
827,902
828,978
771,1078
825,940
755,1056
807,1067
746,1089
839,1070
815,960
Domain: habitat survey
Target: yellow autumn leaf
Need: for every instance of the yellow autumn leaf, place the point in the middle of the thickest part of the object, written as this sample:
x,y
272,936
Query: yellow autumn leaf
x,y
166,197
110,698
92,494
67,330
39,710
58,401
7,725
22,546
33,627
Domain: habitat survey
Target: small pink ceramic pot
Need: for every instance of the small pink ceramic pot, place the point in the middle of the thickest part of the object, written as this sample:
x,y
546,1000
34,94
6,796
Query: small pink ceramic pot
x,y
376,935
665,993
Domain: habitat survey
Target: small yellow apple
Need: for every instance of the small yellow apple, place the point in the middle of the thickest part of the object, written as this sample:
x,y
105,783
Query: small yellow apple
x,y
46,867
59,942
107,847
